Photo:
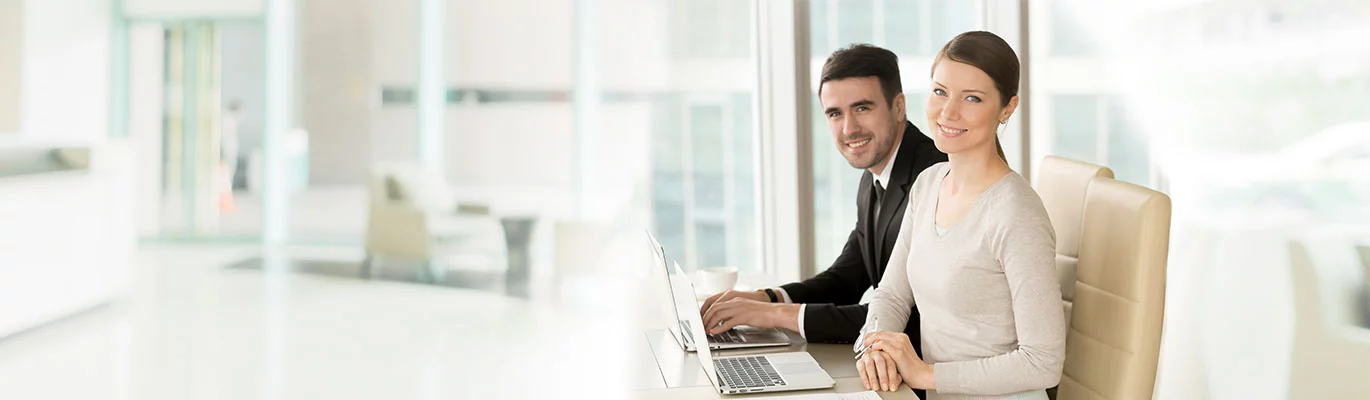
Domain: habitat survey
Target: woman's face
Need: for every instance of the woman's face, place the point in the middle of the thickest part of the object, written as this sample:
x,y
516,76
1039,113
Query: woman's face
x,y
964,108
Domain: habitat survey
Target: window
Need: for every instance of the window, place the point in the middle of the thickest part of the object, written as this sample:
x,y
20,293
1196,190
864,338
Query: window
x,y
646,118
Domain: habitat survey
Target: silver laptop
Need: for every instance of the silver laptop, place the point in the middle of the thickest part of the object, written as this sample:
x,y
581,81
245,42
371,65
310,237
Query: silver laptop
x,y
752,373
736,338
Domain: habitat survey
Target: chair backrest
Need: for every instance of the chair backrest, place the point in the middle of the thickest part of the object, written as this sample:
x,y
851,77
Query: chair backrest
x,y
396,226
1113,343
1061,182
410,183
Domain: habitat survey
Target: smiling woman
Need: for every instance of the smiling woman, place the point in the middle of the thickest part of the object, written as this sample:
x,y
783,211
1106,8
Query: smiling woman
x,y
988,90
976,251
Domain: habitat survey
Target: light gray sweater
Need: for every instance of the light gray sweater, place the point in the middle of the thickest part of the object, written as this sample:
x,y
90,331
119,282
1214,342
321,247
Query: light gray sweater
x,y
986,291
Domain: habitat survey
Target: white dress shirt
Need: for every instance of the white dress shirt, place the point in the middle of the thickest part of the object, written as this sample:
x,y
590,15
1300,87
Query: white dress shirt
x,y
880,179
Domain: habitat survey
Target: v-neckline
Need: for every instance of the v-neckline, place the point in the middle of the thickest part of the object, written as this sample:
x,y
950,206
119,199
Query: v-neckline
x,y
975,206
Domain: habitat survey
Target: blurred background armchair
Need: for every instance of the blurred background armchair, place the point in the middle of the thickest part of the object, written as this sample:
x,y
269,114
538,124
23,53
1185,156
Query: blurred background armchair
x,y
412,215
1331,347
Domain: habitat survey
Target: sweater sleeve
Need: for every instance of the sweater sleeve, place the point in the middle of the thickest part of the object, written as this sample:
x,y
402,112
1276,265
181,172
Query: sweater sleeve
x,y
1025,247
893,300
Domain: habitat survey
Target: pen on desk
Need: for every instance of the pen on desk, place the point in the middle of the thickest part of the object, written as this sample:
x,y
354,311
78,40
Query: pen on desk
x,y
860,346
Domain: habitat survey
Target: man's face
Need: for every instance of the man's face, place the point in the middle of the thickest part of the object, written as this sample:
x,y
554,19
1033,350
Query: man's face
x,y
863,125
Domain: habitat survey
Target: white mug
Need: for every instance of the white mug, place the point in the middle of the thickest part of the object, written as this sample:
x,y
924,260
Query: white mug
x,y
717,279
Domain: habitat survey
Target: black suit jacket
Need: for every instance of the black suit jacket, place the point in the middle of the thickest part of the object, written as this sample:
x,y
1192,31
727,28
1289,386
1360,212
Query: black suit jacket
x,y
832,314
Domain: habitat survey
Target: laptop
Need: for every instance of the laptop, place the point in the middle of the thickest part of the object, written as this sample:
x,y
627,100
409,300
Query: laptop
x,y
776,372
736,338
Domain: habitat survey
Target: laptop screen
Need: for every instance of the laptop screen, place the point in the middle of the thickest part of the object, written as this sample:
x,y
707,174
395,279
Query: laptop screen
x,y
683,292
659,254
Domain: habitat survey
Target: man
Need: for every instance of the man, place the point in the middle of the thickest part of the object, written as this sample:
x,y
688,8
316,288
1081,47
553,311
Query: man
x,y
863,103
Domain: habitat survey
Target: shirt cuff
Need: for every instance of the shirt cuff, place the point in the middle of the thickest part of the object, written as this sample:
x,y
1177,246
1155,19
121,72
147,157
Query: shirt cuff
x,y
802,307
784,297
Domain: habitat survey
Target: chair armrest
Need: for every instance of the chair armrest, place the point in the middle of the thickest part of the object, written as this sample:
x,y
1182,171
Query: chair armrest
x,y
472,208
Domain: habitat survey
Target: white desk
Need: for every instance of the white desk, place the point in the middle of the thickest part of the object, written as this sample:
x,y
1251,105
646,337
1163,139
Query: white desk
x,y
683,378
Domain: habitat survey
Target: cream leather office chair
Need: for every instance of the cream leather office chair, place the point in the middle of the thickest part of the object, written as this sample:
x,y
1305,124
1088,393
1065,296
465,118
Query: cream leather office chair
x,y
1330,351
1061,182
413,216
1113,341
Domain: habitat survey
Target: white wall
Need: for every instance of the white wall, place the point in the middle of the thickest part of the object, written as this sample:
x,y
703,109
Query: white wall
x,y
67,237
510,44
336,91
11,35
191,8
65,86
147,43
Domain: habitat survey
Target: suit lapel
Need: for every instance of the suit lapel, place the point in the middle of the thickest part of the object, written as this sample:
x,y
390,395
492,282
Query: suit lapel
x,y
894,195
896,191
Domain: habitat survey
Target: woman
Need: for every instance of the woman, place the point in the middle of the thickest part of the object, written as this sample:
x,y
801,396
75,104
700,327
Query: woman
x,y
976,251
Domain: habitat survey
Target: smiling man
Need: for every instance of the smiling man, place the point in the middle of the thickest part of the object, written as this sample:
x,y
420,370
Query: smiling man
x,y
863,104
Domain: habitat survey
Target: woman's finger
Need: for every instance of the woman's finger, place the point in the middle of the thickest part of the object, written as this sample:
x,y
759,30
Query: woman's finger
x,y
892,369
872,337
881,374
871,372
861,371
886,347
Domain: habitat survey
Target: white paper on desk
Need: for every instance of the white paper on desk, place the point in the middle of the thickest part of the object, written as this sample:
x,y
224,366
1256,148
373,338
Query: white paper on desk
x,y
866,395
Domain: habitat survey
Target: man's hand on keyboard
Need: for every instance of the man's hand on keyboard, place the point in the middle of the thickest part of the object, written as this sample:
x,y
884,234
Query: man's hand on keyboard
x,y
724,315
732,294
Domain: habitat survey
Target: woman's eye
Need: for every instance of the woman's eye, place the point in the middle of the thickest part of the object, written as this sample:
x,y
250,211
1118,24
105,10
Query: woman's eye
x,y
973,99
939,92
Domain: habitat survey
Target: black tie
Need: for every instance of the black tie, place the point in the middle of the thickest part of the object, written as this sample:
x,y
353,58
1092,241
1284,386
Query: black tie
x,y
879,196
874,222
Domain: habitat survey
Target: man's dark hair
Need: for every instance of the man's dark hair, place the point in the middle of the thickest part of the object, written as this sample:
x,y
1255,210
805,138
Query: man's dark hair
x,y
861,60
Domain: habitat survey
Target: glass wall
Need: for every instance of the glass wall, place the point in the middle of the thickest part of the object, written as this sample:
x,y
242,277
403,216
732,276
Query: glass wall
x,y
620,112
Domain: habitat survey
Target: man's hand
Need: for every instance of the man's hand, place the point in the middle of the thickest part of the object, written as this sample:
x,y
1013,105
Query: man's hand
x,y
732,294
724,315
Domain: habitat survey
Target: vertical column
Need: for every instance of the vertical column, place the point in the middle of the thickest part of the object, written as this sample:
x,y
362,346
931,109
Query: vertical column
x,y
279,115
786,148
118,71
191,194
586,104
432,88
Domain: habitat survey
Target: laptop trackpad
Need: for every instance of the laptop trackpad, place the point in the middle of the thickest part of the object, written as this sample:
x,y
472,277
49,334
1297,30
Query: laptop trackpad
x,y
798,368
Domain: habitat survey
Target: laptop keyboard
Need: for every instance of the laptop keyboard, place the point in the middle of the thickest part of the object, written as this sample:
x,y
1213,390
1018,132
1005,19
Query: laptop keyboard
x,y
747,372
731,336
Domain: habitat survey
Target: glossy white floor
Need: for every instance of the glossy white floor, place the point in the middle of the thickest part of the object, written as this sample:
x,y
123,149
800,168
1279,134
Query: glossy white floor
x,y
192,330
